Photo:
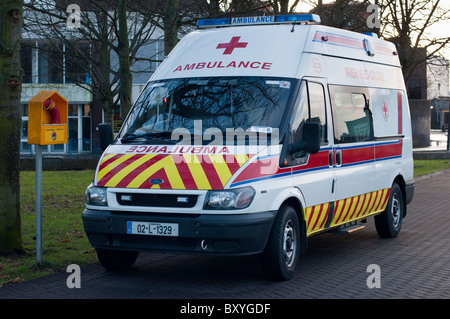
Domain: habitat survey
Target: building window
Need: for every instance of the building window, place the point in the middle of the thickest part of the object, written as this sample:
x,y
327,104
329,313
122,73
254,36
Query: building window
x,y
86,128
26,61
157,49
76,69
50,63
45,62
25,148
147,58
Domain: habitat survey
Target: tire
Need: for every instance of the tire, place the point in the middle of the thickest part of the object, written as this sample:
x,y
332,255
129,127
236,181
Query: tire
x,y
389,222
280,257
116,259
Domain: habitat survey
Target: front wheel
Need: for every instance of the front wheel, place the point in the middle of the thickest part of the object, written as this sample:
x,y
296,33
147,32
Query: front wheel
x,y
389,222
116,259
281,254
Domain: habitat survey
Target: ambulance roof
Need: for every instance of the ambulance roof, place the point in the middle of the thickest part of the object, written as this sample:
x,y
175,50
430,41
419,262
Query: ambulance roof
x,y
266,46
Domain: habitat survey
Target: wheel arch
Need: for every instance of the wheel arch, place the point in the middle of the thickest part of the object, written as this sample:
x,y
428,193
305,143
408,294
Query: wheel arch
x,y
295,203
400,181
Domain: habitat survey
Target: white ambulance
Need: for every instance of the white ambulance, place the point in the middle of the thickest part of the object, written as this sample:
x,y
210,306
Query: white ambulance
x,y
254,134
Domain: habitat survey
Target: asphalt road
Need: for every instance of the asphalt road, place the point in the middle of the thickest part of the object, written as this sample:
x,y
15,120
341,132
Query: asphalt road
x,y
415,265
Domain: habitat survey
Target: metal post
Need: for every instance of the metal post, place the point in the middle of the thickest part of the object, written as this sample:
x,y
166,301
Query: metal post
x,y
39,204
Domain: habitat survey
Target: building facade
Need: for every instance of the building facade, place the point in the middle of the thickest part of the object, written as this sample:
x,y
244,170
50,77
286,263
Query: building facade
x,y
49,69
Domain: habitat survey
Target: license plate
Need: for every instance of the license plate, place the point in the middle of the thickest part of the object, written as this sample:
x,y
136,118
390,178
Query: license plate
x,y
152,228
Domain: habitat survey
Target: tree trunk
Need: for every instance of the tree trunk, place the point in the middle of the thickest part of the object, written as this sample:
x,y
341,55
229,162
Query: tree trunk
x,y
11,19
214,9
102,52
171,25
102,92
125,76
284,6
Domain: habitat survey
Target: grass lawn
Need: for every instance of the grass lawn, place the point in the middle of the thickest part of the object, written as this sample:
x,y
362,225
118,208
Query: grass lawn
x,y
64,240
423,167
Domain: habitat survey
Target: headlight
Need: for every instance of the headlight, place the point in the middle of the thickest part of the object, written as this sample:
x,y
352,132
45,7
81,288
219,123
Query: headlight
x,y
95,196
229,199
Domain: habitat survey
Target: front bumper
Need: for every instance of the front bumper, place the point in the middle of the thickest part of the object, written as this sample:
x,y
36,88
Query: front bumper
x,y
233,234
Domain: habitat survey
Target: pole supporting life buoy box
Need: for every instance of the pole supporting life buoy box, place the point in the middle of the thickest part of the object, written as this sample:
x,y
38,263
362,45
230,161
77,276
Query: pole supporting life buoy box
x,y
47,118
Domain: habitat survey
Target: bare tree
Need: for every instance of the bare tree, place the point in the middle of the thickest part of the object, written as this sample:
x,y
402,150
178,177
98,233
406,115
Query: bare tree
x,y
123,51
177,17
283,6
403,22
343,14
10,117
110,28
407,24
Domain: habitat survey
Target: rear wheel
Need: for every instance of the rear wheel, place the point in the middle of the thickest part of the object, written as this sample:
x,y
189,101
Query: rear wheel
x,y
281,254
116,259
389,222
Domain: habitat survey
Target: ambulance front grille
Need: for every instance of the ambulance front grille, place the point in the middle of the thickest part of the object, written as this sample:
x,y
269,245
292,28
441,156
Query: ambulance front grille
x,y
156,200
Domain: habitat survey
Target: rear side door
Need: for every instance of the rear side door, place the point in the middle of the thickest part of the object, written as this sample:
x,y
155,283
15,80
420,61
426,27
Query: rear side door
x,y
313,173
353,150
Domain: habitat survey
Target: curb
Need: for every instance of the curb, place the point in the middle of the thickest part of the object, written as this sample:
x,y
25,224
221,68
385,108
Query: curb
x,y
427,155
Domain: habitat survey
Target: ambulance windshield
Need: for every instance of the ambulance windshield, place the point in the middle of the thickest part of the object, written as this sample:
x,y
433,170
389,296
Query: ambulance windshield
x,y
198,104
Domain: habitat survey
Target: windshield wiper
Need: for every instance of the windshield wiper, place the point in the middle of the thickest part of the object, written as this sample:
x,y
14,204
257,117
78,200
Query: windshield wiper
x,y
131,136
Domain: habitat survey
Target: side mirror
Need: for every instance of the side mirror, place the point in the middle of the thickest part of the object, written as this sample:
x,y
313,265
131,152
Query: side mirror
x,y
105,135
311,139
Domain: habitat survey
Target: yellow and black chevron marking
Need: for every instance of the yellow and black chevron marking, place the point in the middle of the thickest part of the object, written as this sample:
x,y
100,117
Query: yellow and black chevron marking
x,y
186,171
324,216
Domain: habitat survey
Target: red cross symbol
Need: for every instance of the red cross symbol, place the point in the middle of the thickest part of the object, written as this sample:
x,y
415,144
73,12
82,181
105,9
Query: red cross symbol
x,y
233,44
385,110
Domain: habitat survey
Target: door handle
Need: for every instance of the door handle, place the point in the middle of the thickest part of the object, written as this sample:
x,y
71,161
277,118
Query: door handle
x,y
338,158
330,158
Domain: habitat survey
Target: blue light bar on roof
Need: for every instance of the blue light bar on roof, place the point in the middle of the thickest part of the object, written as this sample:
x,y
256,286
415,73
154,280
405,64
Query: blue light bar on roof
x,y
211,23
226,22
374,35
312,18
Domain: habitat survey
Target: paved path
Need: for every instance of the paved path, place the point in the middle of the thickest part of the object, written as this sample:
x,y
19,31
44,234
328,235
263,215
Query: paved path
x,y
414,265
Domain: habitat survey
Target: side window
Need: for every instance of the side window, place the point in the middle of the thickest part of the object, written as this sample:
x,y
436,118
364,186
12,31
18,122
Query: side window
x,y
301,114
309,107
352,114
317,108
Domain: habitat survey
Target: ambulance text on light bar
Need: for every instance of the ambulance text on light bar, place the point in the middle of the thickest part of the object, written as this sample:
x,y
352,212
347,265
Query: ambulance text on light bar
x,y
224,22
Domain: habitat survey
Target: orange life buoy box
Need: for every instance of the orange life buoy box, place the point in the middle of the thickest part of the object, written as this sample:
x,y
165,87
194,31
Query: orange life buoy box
x,y
47,118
